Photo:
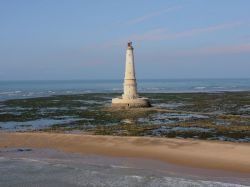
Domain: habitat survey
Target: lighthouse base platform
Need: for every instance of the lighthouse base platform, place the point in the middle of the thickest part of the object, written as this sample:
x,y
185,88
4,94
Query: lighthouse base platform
x,y
139,102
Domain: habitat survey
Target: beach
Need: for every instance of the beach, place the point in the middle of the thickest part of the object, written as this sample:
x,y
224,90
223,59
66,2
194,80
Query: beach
x,y
193,153
63,159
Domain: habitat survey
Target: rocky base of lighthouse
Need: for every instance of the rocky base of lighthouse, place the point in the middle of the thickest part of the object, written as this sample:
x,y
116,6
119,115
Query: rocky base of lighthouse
x,y
139,102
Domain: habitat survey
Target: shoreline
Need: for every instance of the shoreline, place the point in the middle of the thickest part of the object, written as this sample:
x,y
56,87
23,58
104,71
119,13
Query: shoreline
x,y
226,156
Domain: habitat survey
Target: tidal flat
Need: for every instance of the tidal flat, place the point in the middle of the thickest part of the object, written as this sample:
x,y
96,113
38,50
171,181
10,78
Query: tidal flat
x,y
213,116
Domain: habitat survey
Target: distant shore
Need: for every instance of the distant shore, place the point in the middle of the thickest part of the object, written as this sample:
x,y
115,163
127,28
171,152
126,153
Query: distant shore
x,y
225,156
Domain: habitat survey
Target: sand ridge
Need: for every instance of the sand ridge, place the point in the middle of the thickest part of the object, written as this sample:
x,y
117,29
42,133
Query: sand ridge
x,y
194,153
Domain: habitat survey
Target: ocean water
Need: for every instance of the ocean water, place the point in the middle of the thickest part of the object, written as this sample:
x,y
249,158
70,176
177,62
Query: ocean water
x,y
46,167
26,89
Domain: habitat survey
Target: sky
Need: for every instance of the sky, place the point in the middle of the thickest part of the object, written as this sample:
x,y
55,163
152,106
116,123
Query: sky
x,y
87,39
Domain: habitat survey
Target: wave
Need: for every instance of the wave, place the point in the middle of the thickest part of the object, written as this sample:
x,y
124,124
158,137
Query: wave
x,y
10,92
200,88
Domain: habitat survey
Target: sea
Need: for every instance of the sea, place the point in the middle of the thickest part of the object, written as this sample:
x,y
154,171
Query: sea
x,y
46,167
40,88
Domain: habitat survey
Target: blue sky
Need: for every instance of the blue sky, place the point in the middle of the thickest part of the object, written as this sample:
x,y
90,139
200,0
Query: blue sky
x,y
86,39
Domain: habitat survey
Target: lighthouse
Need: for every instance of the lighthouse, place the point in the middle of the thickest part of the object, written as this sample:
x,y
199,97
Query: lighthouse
x,y
130,97
130,86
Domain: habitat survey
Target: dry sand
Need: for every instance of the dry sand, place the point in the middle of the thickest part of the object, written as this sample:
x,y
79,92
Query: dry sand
x,y
194,153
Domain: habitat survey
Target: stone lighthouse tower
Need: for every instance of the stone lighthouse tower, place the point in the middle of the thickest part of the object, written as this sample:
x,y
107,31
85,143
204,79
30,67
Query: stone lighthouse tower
x,y
130,86
130,97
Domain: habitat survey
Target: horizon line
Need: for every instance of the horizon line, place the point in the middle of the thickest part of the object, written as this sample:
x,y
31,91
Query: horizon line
x,y
196,78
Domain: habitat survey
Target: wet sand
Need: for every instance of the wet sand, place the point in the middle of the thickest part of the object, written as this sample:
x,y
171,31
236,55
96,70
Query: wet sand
x,y
227,156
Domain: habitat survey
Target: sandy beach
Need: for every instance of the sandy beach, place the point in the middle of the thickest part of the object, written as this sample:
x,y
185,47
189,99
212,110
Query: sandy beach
x,y
233,157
